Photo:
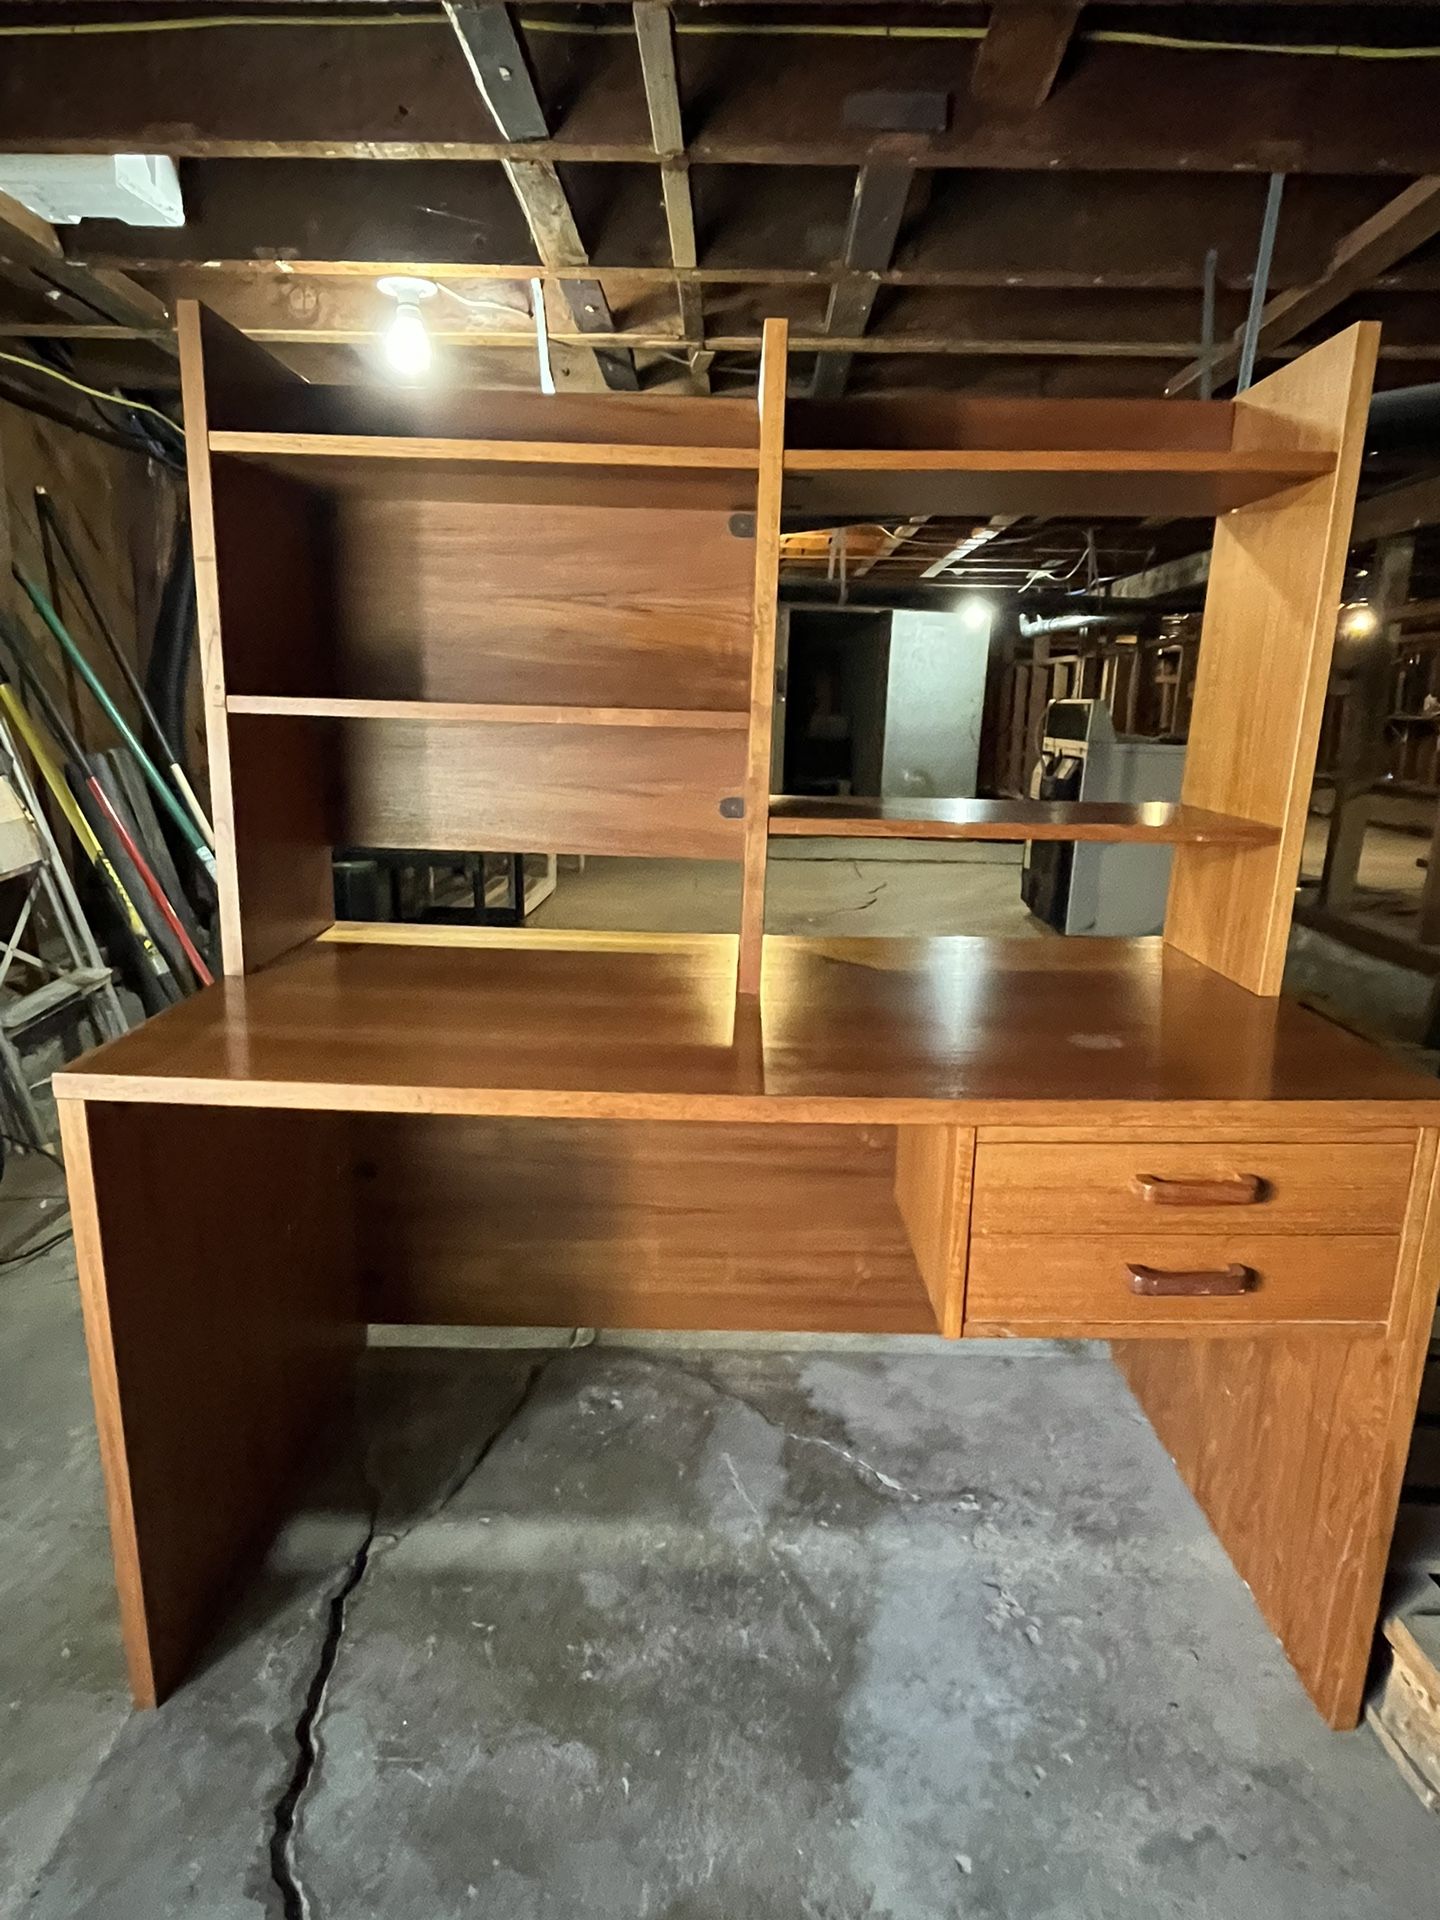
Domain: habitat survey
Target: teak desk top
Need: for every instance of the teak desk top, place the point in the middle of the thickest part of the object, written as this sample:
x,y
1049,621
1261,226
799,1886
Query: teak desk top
x,y
1012,1031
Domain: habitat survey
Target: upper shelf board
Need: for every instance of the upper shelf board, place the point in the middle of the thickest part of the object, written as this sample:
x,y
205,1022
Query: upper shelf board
x,y
532,472
481,453
457,712
1151,821
1182,483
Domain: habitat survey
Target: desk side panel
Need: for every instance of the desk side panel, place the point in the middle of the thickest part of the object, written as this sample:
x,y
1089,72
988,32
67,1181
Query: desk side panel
x,y
217,1281
1294,1445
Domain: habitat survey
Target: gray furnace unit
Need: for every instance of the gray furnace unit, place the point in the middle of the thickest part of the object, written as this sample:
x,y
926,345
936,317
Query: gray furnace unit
x,y
1084,888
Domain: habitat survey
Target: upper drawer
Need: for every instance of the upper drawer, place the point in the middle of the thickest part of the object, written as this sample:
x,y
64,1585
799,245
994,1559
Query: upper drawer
x,y
1186,1187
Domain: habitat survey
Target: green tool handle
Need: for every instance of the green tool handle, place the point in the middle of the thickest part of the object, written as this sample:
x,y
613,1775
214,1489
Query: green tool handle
x,y
159,786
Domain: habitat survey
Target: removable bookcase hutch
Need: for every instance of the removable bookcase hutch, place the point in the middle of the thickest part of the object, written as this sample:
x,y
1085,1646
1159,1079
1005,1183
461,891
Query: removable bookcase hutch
x,y
548,624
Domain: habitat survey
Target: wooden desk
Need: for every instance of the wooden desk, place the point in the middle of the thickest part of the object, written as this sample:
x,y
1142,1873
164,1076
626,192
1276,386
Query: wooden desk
x,y
984,1136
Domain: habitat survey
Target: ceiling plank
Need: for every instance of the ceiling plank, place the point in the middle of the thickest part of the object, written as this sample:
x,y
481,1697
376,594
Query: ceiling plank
x,y
1377,244
655,36
877,208
497,61
349,91
1021,53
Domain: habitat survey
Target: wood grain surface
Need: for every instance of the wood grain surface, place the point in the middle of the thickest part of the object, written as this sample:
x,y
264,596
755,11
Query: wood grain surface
x,y
1308,1187
290,450
1295,1447
1105,483
1271,604
449,412
1112,1035
573,1223
447,712
561,606
219,1344
1155,822
997,423
932,1191
1077,1286
540,789
766,587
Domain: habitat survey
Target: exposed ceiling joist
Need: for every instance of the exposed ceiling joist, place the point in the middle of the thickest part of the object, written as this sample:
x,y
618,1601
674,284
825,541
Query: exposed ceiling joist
x,y
654,33
972,543
1021,53
496,59
31,258
1183,575
1400,510
876,210
1402,225
317,91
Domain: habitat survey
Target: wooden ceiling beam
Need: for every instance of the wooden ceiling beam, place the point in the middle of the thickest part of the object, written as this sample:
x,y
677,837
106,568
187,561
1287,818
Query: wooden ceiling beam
x,y
1398,510
877,208
1021,53
349,92
1381,242
970,543
655,37
30,250
996,229
498,64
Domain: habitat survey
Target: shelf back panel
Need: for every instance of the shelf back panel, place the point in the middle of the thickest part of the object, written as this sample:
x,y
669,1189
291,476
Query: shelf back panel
x,y
502,788
565,606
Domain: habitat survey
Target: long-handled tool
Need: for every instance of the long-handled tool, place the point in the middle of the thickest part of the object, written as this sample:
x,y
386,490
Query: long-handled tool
x,y
108,812
158,784
98,820
164,989
49,514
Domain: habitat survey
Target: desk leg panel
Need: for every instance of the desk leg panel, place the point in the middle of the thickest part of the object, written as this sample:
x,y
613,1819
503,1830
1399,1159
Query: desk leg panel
x,y
1295,1447
213,1247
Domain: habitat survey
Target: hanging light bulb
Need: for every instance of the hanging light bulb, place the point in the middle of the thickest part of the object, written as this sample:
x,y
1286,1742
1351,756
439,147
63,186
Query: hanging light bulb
x,y
407,339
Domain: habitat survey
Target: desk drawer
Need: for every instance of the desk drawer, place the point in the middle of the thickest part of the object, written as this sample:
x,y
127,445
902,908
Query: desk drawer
x,y
1185,1188
1047,1283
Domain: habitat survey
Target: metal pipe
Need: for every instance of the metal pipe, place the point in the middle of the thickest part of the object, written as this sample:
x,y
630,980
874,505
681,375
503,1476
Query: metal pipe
x,y
1207,323
1031,629
1264,254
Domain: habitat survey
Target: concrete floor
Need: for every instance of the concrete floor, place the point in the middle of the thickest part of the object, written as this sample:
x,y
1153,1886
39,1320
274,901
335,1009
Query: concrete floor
x,y
825,891
694,1630
691,1632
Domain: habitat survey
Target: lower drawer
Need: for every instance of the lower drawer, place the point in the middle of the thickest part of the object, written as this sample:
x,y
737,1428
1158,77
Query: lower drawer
x,y
1043,1284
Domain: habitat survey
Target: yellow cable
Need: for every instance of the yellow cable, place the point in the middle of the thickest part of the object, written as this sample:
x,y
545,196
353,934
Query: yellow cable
x,y
1103,36
96,393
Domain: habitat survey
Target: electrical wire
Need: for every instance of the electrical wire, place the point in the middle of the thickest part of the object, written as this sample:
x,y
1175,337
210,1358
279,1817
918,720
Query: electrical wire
x,y
715,29
95,393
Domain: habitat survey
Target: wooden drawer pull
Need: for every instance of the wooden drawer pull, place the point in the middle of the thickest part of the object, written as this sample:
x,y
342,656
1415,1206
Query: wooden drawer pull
x,y
1243,1190
1194,1285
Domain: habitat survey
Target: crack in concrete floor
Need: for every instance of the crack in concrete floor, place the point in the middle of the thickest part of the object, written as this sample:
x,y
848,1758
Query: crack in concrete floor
x,y
579,1681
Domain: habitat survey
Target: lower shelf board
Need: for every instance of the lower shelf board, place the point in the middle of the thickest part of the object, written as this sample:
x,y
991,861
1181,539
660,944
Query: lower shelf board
x,y
1149,822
